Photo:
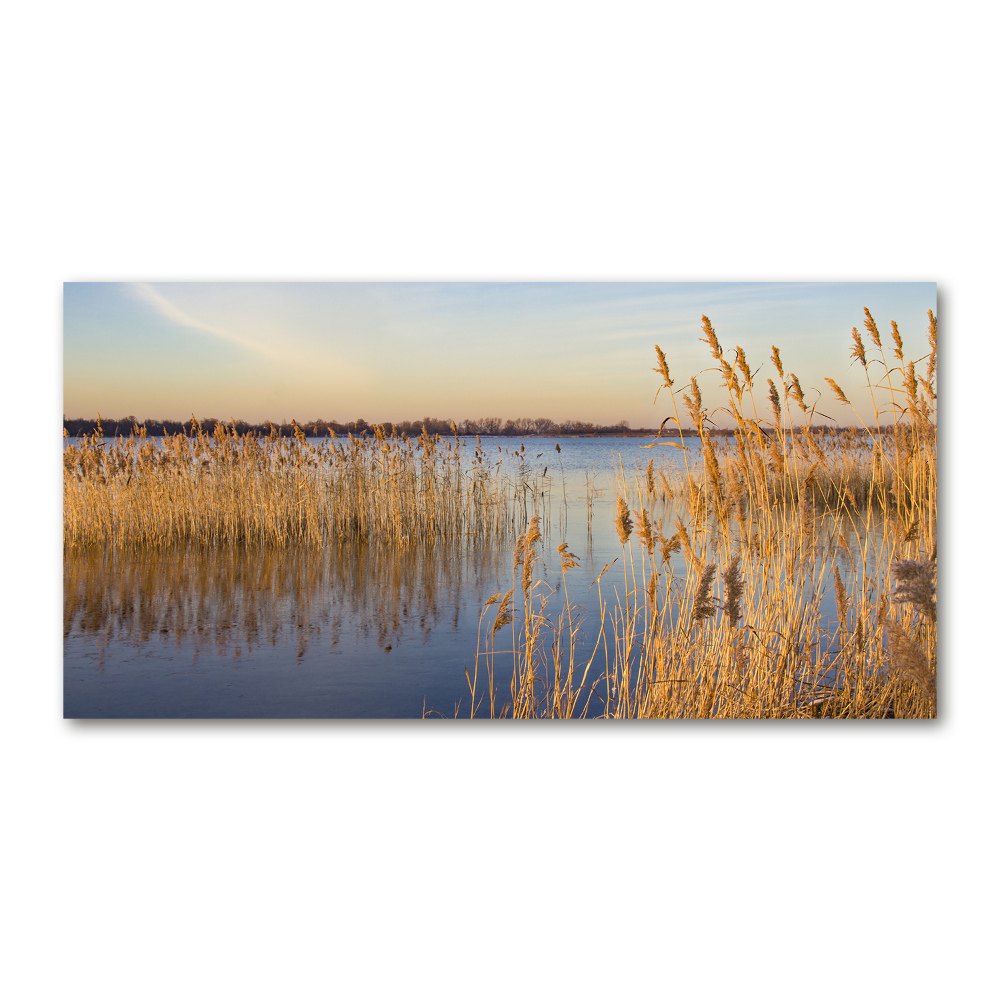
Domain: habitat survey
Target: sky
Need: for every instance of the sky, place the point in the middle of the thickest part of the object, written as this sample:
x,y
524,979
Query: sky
x,y
459,350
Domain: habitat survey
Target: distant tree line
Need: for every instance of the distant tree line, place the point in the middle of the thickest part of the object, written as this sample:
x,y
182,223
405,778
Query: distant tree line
x,y
496,426
522,427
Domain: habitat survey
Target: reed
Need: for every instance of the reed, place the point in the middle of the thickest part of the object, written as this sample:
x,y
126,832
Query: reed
x,y
797,516
139,493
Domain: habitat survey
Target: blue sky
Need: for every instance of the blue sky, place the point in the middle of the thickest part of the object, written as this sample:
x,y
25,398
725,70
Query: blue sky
x,y
402,351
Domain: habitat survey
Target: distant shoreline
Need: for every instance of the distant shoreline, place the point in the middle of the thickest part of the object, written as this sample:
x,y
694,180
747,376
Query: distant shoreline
x,y
491,427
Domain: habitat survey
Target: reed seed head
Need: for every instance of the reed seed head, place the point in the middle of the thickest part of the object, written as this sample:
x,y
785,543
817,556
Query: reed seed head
x,y
872,329
795,391
645,530
728,375
710,338
519,551
772,395
910,660
526,543
662,367
732,583
915,585
534,532
741,363
910,384
623,521
504,616
669,546
838,392
567,559
693,403
705,605
897,340
859,348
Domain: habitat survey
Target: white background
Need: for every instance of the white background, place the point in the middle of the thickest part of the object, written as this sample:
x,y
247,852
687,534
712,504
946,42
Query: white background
x,y
441,141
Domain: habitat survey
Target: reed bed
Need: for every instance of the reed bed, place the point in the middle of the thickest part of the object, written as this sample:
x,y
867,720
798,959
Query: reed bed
x,y
139,493
717,607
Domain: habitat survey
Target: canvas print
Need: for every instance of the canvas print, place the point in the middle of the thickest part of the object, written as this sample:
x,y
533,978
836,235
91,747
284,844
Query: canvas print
x,y
500,500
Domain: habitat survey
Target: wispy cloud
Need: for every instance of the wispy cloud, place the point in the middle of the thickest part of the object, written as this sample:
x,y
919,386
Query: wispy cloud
x,y
166,308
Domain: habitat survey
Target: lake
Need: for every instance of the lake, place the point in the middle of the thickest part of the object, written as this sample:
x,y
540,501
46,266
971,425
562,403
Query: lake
x,y
352,630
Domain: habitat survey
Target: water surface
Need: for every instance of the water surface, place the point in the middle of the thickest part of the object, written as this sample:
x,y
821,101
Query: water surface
x,y
350,630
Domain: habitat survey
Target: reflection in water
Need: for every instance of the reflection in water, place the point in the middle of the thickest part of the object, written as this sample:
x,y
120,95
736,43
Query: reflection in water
x,y
235,600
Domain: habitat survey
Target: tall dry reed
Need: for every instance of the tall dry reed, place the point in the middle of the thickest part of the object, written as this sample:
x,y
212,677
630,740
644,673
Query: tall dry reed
x,y
139,493
797,518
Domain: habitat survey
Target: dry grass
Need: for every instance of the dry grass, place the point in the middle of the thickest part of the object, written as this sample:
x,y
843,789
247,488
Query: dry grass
x,y
225,490
784,509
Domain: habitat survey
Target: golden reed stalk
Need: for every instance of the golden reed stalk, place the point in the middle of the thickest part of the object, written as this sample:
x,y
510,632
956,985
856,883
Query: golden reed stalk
x,y
801,517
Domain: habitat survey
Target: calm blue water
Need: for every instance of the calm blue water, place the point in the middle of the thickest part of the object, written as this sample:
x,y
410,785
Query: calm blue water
x,y
346,633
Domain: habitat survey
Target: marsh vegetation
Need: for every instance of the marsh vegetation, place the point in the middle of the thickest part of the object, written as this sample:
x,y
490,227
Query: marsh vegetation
x,y
715,611
785,570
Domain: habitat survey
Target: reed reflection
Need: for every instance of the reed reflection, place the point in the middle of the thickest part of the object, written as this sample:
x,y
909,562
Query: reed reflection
x,y
234,600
